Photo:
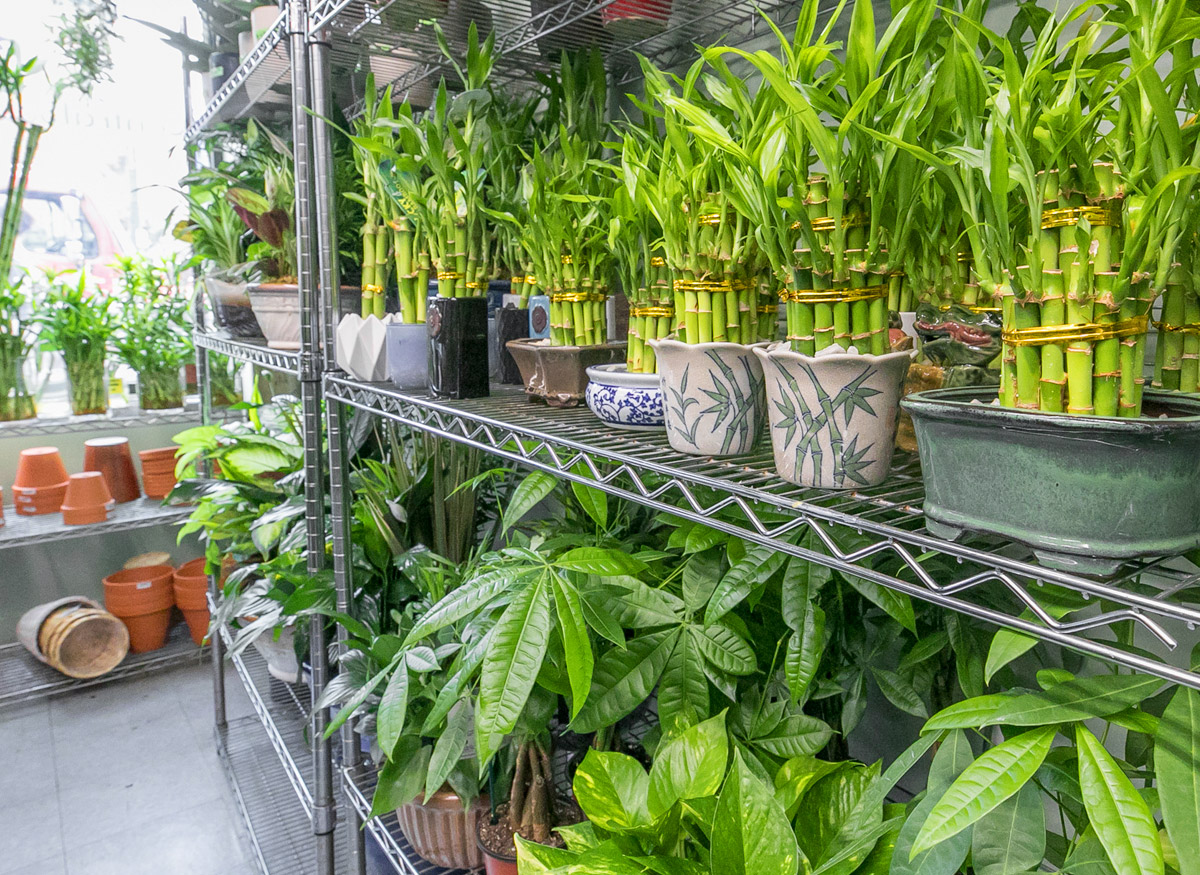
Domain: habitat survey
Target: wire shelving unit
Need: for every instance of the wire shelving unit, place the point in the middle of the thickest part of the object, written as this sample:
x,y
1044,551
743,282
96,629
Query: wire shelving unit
x,y
254,352
141,513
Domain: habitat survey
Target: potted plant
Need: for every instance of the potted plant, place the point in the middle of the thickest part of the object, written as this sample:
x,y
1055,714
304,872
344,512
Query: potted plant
x,y
78,322
636,19
17,341
154,336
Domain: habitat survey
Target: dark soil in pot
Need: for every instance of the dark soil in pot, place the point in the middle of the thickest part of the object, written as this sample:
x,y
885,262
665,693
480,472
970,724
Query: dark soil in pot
x,y
496,839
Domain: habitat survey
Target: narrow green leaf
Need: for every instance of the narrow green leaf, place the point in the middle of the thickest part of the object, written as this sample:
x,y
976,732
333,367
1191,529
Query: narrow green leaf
x,y
968,714
528,493
1077,699
600,561
393,708
899,692
726,649
624,678
759,563
1177,767
1012,838
577,646
449,747
683,699
593,501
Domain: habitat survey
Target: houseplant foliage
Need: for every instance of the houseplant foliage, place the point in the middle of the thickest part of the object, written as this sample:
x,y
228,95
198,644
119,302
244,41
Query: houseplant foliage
x,y
269,213
154,328
78,321
17,339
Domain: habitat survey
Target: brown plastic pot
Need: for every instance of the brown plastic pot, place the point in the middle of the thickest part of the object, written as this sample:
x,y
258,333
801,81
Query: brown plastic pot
x,y
494,863
111,457
191,597
87,499
142,598
40,467
442,832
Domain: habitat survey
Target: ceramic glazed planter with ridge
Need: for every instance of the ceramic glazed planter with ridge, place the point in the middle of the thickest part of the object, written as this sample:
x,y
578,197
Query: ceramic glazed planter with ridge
x,y
142,598
833,417
442,831
713,396
558,375
362,346
633,402
277,308
1087,493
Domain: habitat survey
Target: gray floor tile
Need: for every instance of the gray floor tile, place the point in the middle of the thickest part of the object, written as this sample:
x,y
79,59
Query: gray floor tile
x,y
203,840
31,832
52,866
28,747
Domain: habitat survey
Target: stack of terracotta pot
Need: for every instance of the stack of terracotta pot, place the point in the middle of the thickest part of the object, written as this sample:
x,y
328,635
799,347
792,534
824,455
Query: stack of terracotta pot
x,y
87,499
142,597
158,471
191,597
41,483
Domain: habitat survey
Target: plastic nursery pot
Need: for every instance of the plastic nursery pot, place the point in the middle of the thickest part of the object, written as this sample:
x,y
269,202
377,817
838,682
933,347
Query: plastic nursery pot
x,y
160,389
713,396
619,399
511,324
558,375
442,831
630,19
848,442
457,345
142,598
231,307
494,863
87,499
74,636
190,585
1087,493
111,457
88,381
407,355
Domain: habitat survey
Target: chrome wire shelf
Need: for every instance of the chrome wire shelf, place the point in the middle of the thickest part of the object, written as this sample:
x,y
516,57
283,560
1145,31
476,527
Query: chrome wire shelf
x,y
283,715
255,352
23,678
260,86
112,421
23,531
359,786
396,40
875,534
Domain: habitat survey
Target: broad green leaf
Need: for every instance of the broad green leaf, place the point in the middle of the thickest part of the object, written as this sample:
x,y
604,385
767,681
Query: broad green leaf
x,y
401,780
1177,767
600,561
873,799
511,666
579,836
796,776
624,678
802,580
796,735
690,765
612,790
393,708
528,493
593,501
827,806
683,699
459,603
1012,838
536,859
968,714
1077,700
726,649
953,757
1088,857
944,858
803,655
449,747
1117,812
759,563
700,538
751,835
896,605
997,775
899,692
1052,677
643,607
577,646
701,574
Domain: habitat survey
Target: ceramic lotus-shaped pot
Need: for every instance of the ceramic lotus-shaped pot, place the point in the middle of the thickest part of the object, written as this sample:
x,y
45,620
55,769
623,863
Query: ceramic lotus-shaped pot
x,y
362,346
833,417
712,395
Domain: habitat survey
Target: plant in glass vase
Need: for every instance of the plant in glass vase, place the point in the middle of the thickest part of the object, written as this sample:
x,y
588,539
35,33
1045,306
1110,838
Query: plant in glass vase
x,y
17,340
79,322
154,333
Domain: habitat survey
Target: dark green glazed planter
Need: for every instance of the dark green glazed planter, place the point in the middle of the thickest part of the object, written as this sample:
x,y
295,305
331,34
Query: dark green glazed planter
x,y
1086,493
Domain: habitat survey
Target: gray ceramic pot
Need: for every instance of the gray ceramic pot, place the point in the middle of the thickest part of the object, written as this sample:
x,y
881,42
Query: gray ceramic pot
x,y
1086,493
833,417
559,374
712,395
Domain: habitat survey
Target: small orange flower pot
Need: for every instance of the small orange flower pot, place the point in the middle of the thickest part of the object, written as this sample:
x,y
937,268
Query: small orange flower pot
x,y
87,499
191,597
142,598
111,457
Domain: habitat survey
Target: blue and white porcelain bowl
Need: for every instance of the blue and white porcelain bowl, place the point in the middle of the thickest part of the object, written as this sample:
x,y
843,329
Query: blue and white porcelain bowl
x,y
624,400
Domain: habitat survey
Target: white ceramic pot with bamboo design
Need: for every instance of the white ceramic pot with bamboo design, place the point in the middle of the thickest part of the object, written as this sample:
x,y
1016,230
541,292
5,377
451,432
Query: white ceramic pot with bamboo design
x,y
713,397
833,416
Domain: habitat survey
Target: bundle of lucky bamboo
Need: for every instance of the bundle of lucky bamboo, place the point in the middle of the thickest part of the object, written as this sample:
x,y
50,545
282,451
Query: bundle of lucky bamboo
x,y
1177,358
642,270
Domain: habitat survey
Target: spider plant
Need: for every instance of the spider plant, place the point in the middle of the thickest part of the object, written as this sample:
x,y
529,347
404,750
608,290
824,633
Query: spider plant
x,y
153,335
78,322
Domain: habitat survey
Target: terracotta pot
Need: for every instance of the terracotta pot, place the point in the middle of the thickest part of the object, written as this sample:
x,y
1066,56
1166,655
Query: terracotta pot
x,y
159,454
39,467
191,597
142,598
159,487
558,374
442,832
111,457
74,636
87,499
713,396
847,441
35,502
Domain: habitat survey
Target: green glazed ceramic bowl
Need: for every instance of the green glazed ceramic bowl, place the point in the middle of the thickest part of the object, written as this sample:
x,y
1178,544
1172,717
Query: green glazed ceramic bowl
x,y
1086,493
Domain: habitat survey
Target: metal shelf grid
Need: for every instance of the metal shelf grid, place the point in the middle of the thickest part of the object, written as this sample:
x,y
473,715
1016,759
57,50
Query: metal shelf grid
x,y
874,534
99,422
259,86
359,786
23,531
23,678
529,35
255,352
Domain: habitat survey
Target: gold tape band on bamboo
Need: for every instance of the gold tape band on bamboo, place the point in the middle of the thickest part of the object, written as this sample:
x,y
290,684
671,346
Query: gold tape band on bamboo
x,y
576,297
566,259
450,275
713,287
1089,332
652,312
1105,216
710,219
965,257
476,286
1186,328
531,280
658,261
518,281
767,309
372,289
972,308
827,223
833,296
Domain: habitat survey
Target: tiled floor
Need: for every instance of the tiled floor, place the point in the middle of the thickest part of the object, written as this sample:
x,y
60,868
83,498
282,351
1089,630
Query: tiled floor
x,y
122,778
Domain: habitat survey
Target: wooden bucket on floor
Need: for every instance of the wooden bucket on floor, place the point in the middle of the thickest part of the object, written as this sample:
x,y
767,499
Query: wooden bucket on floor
x,y
75,636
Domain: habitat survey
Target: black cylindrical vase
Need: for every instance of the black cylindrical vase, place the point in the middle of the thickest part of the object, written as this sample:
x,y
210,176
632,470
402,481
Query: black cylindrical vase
x,y
458,350
511,324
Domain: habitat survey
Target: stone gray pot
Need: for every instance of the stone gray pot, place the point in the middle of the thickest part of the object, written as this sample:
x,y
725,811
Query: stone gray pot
x,y
833,417
712,395
1087,493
